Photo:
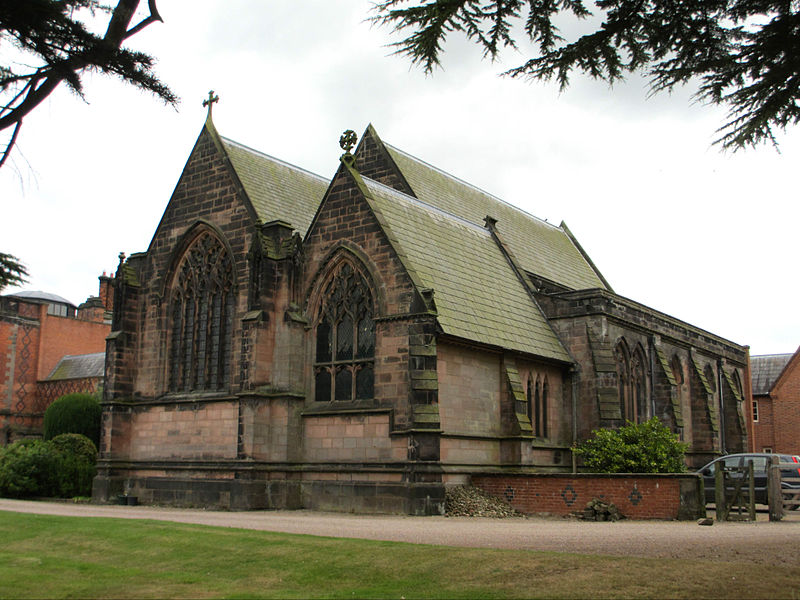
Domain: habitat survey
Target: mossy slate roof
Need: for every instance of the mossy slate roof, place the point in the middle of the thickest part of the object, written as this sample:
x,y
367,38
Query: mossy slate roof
x,y
765,370
277,190
477,295
541,248
79,366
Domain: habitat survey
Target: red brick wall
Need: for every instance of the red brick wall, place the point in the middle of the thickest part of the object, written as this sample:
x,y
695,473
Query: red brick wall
x,y
763,432
62,336
31,344
636,496
786,409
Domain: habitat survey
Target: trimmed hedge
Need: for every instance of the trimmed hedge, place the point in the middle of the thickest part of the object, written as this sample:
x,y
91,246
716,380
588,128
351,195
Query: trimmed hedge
x,y
73,413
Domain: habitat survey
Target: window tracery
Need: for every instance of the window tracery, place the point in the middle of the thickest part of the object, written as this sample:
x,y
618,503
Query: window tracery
x,y
345,343
201,312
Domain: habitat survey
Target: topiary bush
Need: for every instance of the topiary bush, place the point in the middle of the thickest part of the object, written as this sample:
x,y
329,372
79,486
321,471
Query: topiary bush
x,y
647,447
78,464
73,413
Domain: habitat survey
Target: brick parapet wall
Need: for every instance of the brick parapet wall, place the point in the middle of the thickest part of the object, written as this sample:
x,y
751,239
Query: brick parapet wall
x,y
670,496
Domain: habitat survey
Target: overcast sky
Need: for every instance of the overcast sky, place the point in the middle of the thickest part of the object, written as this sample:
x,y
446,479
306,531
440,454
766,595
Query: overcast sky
x,y
669,220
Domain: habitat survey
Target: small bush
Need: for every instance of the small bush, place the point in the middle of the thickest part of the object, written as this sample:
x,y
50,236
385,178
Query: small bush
x,y
73,413
648,447
77,444
29,469
77,468
62,467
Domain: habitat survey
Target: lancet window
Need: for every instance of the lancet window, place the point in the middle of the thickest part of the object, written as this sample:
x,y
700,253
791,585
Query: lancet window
x,y
345,340
632,383
538,405
201,312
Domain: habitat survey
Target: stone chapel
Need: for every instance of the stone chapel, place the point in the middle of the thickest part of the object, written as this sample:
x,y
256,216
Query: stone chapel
x,y
357,344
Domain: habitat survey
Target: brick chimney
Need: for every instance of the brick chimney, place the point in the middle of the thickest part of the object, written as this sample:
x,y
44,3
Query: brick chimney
x,y
106,293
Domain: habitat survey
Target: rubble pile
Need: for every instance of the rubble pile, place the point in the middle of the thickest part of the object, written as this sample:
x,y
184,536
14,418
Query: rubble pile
x,y
598,510
467,501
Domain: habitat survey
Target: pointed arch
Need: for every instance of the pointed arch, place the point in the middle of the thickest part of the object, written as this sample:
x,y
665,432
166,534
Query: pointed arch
x,y
537,406
201,302
640,407
622,358
545,408
529,398
344,328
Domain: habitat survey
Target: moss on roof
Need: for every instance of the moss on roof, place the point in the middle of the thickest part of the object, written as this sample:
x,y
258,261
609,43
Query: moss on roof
x,y
277,190
80,366
765,370
541,248
477,294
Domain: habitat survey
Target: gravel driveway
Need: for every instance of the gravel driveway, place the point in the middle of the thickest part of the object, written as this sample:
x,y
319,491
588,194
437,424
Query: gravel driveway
x,y
760,542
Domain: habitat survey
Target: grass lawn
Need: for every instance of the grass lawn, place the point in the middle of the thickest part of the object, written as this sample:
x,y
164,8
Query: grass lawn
x,y
68,557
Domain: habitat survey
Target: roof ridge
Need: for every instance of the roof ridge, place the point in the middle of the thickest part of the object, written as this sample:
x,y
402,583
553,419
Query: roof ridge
x,y
272,158
781,354
426,205
474,187
80,355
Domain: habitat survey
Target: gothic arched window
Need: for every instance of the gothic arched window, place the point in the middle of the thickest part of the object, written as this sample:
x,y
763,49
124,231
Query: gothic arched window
x,y
529,397
542,420
345,347
201,312
622,358
639,409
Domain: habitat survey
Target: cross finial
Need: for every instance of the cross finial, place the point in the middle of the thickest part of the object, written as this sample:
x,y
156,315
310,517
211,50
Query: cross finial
x,y
209,102
347,140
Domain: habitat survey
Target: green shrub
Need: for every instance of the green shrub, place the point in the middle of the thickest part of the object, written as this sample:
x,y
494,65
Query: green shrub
x,y
77,444
62,467
77,468
73,413
29,469
648,447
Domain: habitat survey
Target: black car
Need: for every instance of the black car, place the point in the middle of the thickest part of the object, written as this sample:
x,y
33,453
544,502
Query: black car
x,y
761,461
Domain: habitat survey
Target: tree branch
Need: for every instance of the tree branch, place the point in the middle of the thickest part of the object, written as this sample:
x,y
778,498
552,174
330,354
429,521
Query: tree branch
x,y
154,16
10,144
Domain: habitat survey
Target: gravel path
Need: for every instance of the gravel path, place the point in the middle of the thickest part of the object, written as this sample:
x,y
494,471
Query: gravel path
x,y
760,542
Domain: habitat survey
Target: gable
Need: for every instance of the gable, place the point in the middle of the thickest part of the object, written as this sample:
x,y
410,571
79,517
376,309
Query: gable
x,y
788,373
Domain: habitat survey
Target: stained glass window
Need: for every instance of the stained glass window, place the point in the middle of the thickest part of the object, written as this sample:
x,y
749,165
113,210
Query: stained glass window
x,y
345,345
202,318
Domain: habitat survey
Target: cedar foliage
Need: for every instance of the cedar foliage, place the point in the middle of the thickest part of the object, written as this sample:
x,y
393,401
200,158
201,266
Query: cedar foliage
x,y
12,272
44,43
647,447
73,413
742,54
